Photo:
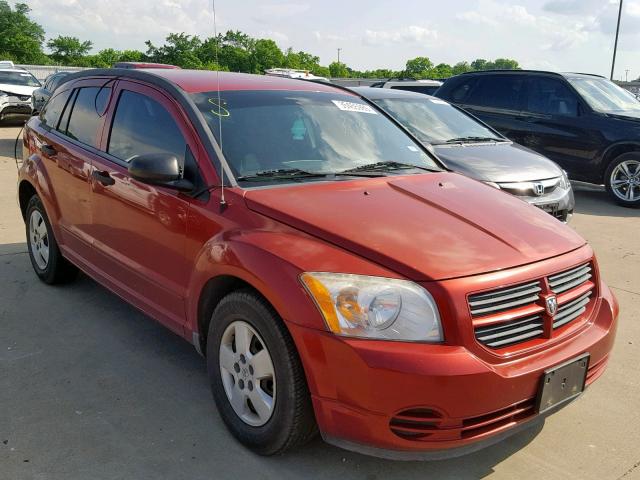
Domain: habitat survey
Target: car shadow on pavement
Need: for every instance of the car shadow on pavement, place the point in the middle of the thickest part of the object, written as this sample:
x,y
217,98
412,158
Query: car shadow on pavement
x,y
594,200
113,380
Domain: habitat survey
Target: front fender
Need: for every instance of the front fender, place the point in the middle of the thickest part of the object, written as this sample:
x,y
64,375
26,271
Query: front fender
x,y
271,262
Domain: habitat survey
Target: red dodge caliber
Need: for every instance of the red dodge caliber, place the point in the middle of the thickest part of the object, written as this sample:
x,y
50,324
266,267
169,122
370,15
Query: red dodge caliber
x,y
336,277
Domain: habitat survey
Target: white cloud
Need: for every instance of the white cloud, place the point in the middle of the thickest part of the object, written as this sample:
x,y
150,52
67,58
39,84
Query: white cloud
x,y
476,17
281,10
411,34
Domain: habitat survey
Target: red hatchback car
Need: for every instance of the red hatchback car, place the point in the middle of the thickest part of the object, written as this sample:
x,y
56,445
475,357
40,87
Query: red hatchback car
x,y
334,275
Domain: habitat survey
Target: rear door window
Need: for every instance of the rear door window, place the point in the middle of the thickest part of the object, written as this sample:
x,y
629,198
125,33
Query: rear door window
x,y
85,116
460,92
551,97
498,91
141,126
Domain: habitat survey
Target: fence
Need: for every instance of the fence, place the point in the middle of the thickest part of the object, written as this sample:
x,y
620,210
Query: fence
x,y
43,71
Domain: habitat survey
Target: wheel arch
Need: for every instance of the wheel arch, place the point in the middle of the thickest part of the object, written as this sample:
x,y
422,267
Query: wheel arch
x,y
26,190
614,151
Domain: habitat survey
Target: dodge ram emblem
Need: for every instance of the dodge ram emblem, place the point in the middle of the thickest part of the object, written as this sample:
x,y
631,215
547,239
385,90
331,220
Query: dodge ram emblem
x,y
552,305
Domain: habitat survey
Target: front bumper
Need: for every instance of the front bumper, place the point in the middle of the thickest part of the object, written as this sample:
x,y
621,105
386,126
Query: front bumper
x,y
14,106
559,203
443,399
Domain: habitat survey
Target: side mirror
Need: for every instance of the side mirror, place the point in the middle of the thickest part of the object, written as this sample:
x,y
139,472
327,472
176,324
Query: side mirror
x,y
161,169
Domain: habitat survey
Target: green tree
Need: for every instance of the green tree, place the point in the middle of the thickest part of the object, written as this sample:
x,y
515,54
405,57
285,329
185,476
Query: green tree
x,y
505,64
338,70
480,64
20,38
442,70
68,50
461,67
266,54
179,49
419,67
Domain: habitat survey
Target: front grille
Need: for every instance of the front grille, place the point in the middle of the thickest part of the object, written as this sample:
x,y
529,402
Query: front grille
x,y
504,299
515,314
528,189
415,423
564,281
503,334
23,98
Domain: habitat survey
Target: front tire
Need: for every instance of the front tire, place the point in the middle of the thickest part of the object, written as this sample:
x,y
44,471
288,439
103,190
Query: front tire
x,y
44,253
256,376
622,179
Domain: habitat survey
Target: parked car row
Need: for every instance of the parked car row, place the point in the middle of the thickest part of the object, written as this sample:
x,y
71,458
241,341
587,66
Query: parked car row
x,y
334,272
585,123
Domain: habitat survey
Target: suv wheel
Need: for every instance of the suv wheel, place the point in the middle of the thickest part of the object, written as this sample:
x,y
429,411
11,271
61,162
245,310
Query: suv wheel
x,y
622,179
46,259
256,376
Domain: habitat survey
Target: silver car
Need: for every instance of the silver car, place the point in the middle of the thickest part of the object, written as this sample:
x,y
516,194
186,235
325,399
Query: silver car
x,y
468,146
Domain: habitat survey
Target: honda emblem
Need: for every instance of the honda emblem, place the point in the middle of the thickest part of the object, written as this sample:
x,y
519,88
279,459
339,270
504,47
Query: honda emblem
x,y
538,189
552,305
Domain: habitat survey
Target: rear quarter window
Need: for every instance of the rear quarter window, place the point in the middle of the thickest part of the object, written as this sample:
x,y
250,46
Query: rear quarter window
x,y
53,109
86,113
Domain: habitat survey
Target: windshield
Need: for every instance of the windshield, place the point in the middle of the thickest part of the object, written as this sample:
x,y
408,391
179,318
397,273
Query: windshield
x,y
19,78
267,131
435,121
604,96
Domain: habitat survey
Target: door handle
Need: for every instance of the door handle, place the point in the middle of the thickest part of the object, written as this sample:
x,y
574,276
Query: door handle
x,y
48,150
103,177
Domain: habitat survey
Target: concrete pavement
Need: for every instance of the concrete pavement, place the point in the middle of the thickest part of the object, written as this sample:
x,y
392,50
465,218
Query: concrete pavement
x,y
91,388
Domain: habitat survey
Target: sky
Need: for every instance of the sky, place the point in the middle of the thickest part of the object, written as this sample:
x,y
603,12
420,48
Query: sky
x,y
560,35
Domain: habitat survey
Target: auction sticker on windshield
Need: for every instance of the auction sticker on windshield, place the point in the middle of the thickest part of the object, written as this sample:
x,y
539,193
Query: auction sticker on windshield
x,y
353,107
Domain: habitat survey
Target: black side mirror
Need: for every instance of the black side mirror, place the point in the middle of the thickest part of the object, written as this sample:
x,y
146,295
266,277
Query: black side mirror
x,y
161,169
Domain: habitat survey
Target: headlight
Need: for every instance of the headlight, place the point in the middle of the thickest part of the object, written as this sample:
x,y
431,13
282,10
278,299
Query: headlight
x,y
374,307
493,184
564,181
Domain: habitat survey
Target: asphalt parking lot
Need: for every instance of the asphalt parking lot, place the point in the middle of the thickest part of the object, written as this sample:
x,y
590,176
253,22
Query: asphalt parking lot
x,y
91,388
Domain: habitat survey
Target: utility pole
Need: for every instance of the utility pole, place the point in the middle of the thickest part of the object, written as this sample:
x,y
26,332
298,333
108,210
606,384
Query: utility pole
x,y
615,46
339,54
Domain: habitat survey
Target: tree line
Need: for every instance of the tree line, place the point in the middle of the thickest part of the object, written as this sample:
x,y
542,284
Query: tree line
x,y
23,40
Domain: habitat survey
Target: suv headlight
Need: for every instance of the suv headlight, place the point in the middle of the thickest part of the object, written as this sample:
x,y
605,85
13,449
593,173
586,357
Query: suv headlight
x,y
564,181
374,307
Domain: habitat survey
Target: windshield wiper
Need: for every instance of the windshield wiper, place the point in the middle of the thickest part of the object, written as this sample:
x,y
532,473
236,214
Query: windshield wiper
x,y
387,166
474,140
280,174
296,173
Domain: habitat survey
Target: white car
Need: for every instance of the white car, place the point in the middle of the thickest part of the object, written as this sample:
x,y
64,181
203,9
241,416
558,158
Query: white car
x,y
296,74
16,87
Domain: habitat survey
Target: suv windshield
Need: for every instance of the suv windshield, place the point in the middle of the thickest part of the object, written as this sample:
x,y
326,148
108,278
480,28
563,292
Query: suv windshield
x,y
434,121
19,78
308,133
604,96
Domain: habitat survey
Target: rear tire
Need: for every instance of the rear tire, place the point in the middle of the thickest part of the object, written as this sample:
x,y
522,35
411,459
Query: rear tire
x,y
260,390
46,258
622,179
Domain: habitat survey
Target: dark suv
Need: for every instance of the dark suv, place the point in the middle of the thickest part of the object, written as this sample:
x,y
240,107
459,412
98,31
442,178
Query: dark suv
x,y
585,123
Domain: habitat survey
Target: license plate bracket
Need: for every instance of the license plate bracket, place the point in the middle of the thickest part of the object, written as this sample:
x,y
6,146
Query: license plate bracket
x,y
551,208
562,383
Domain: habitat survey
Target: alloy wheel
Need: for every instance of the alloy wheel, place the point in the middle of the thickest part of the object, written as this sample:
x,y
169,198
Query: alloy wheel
x,y
247,373
625,180
39,239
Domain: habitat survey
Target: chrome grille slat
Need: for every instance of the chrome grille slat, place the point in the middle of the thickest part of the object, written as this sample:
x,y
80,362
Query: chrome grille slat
x,y
501,334
520,338
572,310
561,282
504,298
529,291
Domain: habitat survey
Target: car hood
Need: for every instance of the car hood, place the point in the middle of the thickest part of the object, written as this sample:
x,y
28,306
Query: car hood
x,y
17,89
497,162
425,227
